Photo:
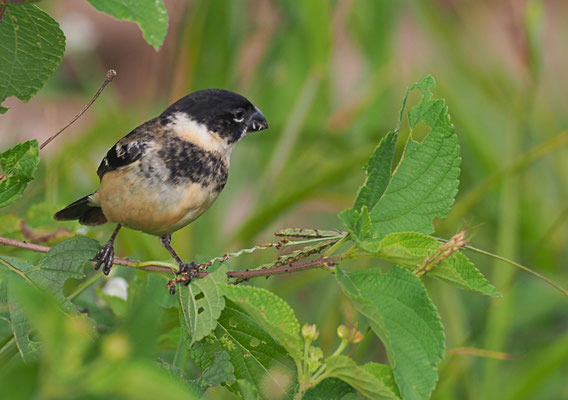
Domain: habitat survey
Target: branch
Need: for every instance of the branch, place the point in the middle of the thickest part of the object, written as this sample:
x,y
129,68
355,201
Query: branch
x,y
325,262
111,73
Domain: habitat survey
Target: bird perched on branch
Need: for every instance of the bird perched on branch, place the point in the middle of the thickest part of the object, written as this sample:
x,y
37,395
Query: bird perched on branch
x,y
168,171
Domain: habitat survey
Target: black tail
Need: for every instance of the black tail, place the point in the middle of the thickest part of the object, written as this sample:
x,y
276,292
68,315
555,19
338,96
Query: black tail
x,y
84,211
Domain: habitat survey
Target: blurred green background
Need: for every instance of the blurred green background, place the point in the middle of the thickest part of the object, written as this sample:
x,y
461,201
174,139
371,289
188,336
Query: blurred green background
x,y
329,77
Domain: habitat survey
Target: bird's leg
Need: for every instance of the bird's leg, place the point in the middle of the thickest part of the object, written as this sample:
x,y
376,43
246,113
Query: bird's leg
x,y
105,256
189,269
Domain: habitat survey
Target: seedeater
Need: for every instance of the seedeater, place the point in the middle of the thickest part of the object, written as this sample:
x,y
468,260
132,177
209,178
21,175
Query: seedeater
x,y
168,171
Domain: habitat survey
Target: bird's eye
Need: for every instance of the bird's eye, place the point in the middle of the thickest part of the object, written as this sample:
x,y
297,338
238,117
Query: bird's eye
x,y
239,115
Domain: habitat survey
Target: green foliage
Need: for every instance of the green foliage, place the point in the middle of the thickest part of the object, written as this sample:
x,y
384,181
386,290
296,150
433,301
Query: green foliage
x,y
32,48
378,384
272,313
220,371
201,304
424,183
244,338
400,312
255,355
62,262
18,165
333,388
409,249
150,15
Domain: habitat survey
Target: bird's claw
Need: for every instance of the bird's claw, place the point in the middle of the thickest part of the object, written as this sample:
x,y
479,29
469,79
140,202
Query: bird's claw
x,y
105,257
185,275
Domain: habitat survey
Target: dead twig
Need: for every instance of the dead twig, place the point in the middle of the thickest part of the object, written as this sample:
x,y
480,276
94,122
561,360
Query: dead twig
x,y
111,73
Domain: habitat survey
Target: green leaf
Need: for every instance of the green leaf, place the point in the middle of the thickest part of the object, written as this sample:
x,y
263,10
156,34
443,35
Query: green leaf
x,y
254,354
424,183
150,15
409,249
19,325
18,165
271,312
201,303
403,316
426,180
333,389
378,169
248,390
63,261
31,48
219,372
376,385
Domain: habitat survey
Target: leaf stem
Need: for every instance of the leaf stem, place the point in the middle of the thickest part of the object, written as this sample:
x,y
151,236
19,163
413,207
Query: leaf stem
x,y
515,264
83,286
337,244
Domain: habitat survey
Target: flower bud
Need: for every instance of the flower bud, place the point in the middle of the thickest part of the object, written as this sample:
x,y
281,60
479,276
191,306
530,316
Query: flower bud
x,y
310,332
349,334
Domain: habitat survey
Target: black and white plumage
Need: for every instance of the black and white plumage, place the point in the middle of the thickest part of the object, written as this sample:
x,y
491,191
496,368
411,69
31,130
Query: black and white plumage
x,y
165,173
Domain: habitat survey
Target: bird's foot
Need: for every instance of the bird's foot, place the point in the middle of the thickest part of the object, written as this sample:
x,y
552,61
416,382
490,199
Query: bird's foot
x,y
185,275
105,257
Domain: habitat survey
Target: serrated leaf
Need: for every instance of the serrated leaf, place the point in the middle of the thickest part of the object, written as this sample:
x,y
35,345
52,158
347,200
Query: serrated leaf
x,y
31,48
378,171
424,183
201,303
410,249
18,165
426,180
400,312
254,354
64,260
333,389
271,312
376,385
150,15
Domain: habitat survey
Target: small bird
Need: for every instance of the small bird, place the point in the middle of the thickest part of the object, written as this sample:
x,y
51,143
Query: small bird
x,y
165,173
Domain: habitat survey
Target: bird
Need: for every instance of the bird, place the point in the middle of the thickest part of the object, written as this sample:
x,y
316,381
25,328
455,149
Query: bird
x,y
168,171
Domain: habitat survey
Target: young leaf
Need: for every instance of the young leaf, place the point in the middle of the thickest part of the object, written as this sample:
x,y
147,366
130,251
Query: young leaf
x,y
376,385
201,303
410,249
424,183
271,312
403,316
150,15
32,46
18,165
254,354
426,180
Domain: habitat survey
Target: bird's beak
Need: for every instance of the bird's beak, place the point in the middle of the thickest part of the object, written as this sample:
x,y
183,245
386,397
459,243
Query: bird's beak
x,y
257,122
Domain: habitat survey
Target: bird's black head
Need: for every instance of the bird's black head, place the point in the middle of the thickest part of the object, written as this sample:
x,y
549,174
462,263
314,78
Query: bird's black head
x,y
226,114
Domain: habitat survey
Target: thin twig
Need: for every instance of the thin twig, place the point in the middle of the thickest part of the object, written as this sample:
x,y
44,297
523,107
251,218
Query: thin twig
x,y
111,73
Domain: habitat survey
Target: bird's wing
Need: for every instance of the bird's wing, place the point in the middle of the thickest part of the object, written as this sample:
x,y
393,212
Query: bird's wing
x,y
128,149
